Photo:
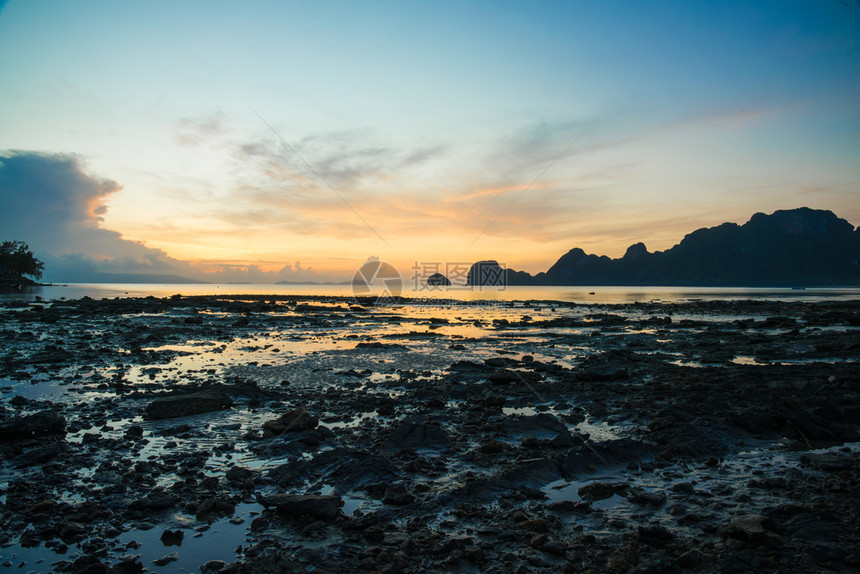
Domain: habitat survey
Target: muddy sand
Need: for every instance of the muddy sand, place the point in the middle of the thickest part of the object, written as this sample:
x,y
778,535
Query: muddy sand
x,y
267,434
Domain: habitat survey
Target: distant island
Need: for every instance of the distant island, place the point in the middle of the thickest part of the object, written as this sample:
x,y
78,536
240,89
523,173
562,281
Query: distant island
x,y
790,248
800,247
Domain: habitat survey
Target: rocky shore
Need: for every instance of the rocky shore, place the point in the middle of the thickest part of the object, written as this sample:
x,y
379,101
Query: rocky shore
x,y
271,434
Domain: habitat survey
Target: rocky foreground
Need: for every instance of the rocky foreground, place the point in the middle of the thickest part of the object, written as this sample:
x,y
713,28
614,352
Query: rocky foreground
x,y
250,434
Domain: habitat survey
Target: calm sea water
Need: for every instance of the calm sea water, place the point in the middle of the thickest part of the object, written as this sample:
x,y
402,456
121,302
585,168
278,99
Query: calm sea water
x,y
572,294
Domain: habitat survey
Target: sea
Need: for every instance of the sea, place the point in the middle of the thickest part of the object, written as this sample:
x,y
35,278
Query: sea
x,y
578,294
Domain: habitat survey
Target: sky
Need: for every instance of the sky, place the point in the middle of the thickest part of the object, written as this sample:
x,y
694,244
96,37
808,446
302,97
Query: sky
x,y
268,141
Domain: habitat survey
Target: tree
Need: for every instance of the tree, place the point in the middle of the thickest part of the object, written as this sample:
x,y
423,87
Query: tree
x,y
17,259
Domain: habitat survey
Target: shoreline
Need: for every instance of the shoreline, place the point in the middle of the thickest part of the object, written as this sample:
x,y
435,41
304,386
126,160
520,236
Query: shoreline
x,y
548,436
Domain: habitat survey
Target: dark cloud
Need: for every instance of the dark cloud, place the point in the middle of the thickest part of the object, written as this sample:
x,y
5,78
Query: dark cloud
x,y
49,201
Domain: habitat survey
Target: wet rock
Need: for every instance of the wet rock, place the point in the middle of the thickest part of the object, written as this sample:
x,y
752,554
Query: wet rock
x,y
239,474
750,528
569,506
566,440
809,425
349,468
524,478
601,490
473,553
758,419
691,440
89,564
40,454
214,506
541,424
213,566
397,496
690,559
591,456
128,566
187,405
167,559
417,434
536,525
294,421
41,511
622,560
828,461
642,497
172,537
504,376
37,425
158,499
501,362
72,531
656,536
323,507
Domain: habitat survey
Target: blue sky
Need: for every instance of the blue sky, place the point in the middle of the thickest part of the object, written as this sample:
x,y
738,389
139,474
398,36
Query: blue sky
x,y
594,125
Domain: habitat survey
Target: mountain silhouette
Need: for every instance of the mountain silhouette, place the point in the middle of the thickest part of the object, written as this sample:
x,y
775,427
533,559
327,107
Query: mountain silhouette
x,y
790,248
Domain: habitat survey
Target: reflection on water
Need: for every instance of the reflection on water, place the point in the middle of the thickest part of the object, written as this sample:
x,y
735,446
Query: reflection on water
x,y
515,293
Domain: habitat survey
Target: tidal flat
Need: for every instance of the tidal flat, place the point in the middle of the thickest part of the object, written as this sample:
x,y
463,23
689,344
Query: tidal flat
x,y
320,434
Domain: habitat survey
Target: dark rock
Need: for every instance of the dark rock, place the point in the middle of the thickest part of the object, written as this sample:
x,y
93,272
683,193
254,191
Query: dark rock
x,y
348,468
37,425
566,440
642,497
569,506
829,461
172,537
750,528
690,559
417,434
503,376
656,536
187,405
72,531
156,500
601,490
622,560
541,425
590,456
127,566
239,474
167,559
323,507
397,496
600,373
88,564
691,440
40,454
296,420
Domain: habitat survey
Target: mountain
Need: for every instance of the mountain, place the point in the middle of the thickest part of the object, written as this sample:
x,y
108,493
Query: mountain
x,y
790,248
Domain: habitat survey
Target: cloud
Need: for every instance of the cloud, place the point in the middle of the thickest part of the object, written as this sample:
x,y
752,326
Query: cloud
x,y
49,201
193,132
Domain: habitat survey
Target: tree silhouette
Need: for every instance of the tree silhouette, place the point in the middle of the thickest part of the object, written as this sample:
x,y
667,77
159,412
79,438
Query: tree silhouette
x,y
17,259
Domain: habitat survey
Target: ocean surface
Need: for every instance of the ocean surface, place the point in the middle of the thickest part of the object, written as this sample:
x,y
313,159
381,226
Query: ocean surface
x,y
517,293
